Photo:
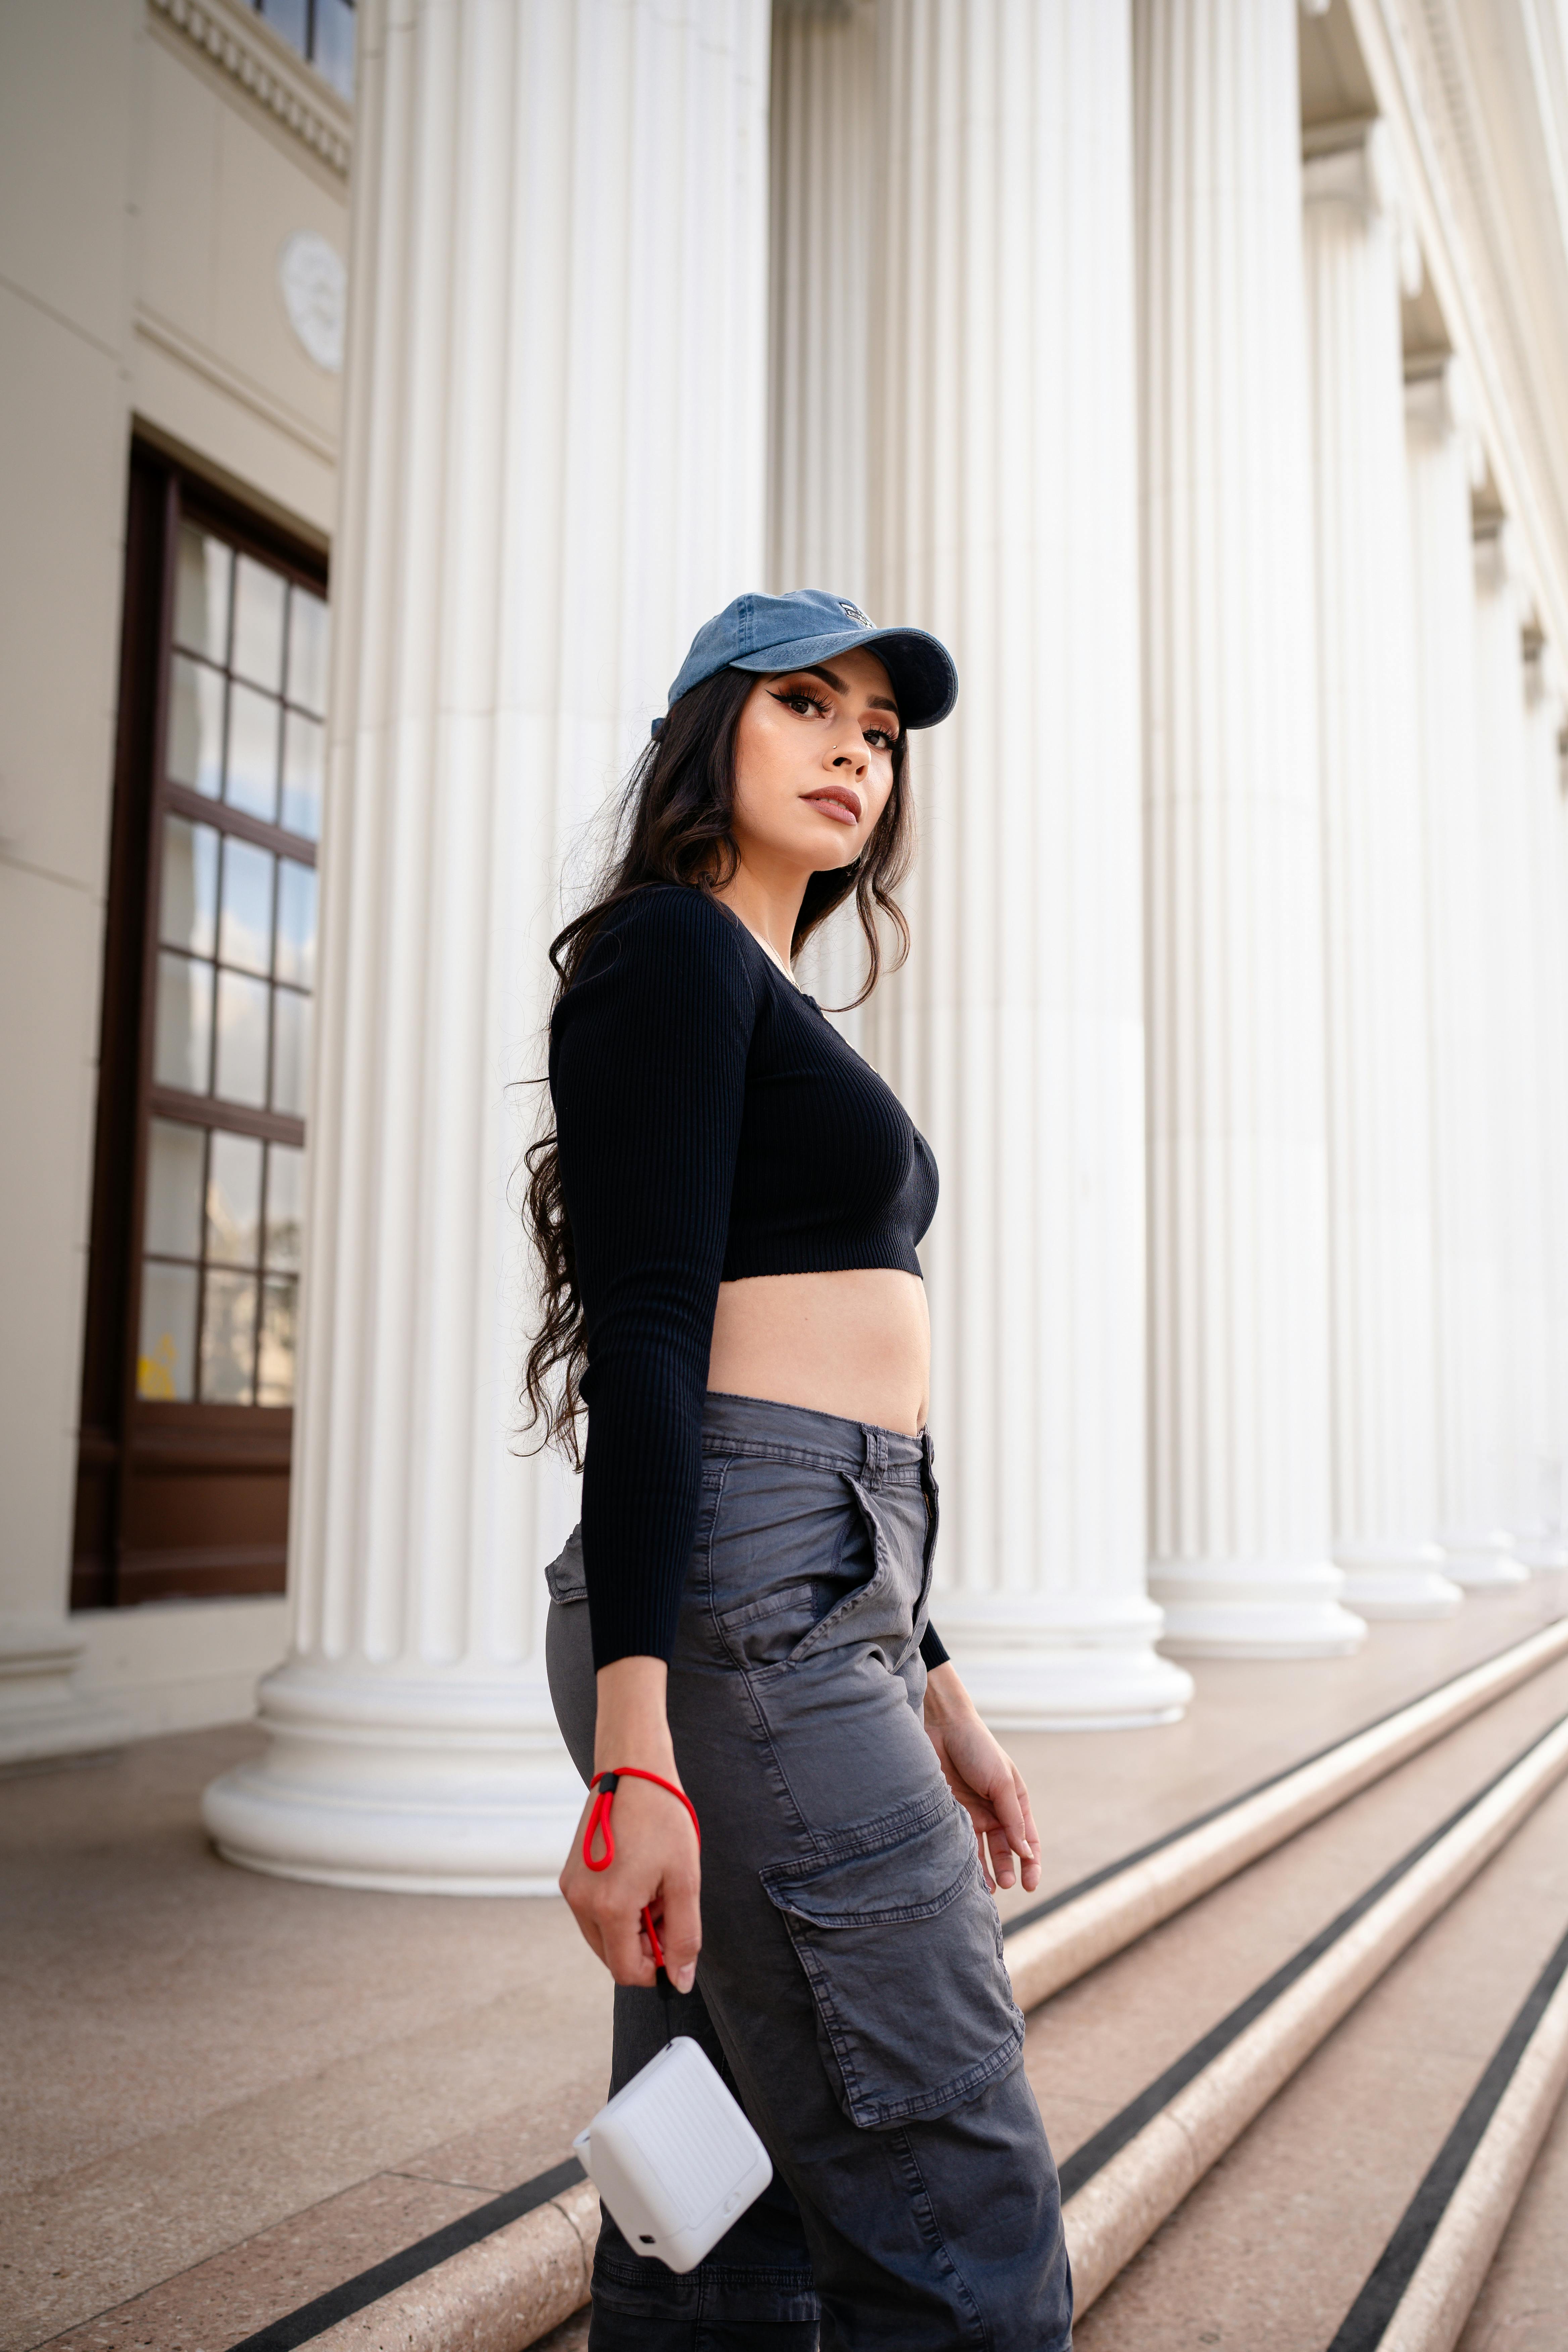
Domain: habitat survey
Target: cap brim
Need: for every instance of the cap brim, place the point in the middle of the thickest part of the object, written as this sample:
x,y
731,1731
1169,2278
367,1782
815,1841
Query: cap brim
x,y
919,665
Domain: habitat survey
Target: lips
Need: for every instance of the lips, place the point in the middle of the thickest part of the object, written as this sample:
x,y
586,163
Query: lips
x,y
839,803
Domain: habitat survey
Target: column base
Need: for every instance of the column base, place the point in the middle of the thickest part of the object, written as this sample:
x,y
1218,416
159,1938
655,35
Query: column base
x,y
44,1718
1540,1553
1397,1580
420,1784
1033,1662
1235,1609
1477,1562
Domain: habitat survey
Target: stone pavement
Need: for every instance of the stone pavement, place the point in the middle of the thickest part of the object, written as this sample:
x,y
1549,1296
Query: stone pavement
x,y
229,2093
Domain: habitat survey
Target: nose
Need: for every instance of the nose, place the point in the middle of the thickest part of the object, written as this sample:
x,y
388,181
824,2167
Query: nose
x,y
851,760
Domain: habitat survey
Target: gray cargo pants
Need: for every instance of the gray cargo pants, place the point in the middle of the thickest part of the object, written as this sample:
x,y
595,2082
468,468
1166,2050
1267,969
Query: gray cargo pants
x,y
852,1981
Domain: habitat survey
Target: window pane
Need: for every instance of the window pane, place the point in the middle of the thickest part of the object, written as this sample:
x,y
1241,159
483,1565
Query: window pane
x,y
275,1373
285,1206
253,752
172,1225
334,56
187,889
241,1075
228,1338
307,650
290,1051
304,748
166,1351
196,726
201,593
181,1055
233,1199
258,594
287,18
296,923
244,932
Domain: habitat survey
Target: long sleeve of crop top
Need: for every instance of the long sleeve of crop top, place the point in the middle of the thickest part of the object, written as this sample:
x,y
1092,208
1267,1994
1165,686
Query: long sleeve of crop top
x,y
647,1072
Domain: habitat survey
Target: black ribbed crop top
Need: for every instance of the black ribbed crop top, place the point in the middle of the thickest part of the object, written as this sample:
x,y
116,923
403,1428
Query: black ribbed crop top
x,y
711,1125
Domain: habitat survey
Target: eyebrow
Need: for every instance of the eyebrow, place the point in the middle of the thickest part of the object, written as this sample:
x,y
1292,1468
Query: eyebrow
x,y
873,701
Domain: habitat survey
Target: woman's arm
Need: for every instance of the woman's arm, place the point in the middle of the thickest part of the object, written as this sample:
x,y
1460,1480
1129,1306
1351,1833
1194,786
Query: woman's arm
x,y
647,1073
656,1861
985,1780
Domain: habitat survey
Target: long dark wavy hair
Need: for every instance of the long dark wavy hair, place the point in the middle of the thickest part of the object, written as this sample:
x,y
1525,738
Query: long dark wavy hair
x,y
673,824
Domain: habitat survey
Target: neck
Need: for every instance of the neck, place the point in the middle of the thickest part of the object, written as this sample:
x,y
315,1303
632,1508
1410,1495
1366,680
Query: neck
x,y
767,903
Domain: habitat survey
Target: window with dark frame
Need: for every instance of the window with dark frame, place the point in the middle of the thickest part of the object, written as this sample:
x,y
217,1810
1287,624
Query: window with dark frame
x,y
322,31
238,818
188,1376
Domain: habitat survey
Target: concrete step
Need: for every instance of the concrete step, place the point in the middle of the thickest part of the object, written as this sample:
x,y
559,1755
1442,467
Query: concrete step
x,y
1093,2046
322,2189
1061,1937
1273,2244
1272,2248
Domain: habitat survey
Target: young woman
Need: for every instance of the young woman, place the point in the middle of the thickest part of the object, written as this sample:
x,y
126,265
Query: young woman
x,y
727,1215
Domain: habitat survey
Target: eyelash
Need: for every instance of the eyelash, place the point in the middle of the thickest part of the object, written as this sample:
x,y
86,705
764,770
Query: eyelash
x,y
803,694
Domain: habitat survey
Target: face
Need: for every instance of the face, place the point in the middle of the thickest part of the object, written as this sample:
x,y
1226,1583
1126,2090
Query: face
x,y
813,764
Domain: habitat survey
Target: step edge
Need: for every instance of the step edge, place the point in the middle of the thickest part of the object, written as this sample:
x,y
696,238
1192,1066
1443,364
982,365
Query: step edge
x,y
1437,2297
1083,1927
1139,2187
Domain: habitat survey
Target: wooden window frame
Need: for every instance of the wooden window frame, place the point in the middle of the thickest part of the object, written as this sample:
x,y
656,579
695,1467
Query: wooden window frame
x,y
133,1447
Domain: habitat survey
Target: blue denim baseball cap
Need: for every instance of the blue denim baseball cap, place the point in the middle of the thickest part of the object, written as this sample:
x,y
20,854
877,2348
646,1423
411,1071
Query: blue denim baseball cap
x,y
807,628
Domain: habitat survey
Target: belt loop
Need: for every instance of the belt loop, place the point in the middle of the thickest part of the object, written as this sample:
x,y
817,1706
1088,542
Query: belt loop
x,y
875,1454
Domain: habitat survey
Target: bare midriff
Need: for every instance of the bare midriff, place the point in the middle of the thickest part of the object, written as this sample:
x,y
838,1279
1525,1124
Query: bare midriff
x,y
857,1344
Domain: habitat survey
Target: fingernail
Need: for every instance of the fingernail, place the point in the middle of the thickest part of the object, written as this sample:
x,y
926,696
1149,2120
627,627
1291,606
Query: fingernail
x,y
685,1978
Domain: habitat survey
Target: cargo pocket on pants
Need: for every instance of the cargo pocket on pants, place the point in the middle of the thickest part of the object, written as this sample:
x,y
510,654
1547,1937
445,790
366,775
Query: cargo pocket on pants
x,y
902,1949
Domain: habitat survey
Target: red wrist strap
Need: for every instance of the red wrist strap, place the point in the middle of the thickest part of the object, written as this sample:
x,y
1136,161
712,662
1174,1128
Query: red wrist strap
x,y
603,1785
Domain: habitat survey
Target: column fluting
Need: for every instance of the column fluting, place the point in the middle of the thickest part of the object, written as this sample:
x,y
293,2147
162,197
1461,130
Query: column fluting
x,y
554,469
1239,1233
1383,1397
1502,783
1443,460
1235,911
825,311
1544,1544
1001,450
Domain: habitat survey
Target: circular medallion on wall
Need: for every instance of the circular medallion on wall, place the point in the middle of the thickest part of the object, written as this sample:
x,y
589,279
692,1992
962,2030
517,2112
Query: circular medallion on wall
x,y
313,280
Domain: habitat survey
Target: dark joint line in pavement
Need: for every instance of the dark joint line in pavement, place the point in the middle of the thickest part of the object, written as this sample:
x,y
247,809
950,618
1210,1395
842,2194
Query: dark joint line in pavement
x,y
1049,1903
1375,2306
312,2319
1097,2151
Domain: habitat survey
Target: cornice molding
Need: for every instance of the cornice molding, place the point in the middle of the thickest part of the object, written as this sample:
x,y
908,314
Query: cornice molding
x,y
1415,52
240,45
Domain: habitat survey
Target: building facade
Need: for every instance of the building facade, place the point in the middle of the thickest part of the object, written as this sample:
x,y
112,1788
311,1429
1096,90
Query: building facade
x,y
1192,366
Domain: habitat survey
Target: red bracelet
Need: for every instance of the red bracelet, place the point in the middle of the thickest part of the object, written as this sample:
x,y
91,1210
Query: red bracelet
x,y
603,1785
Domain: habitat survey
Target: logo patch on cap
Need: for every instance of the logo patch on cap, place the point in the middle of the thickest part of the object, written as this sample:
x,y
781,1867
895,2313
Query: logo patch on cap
x,y
853,613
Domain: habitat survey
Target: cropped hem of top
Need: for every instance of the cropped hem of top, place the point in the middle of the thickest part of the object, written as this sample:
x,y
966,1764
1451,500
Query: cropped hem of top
x,y
712,1125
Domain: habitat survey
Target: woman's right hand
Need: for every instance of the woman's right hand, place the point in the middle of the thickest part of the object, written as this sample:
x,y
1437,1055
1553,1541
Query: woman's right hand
x,y
657,1862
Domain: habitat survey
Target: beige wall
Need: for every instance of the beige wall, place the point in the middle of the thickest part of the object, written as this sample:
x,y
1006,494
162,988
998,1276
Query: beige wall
x,y
145,195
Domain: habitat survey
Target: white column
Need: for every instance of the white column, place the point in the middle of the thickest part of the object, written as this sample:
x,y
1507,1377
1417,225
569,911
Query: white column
x,y
553,470
1238,1236
1502,762
1553,938
825,311
1003,455
1384,1382
1443,464
1545,1544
